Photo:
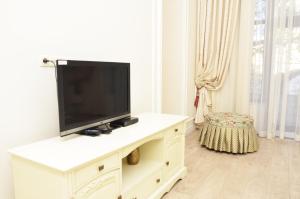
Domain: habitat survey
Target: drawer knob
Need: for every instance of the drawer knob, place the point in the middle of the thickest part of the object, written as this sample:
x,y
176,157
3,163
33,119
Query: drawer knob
x,y
167,163
158,180
175,130
100,168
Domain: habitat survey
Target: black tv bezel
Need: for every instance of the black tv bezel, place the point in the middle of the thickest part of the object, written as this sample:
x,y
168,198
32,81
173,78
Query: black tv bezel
x,y
74,128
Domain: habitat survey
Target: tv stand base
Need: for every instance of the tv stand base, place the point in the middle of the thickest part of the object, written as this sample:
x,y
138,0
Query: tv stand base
x,y
124,122
90,132
96,131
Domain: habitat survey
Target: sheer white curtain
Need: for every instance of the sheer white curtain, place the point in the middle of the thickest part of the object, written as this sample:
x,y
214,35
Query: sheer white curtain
x,y
275,71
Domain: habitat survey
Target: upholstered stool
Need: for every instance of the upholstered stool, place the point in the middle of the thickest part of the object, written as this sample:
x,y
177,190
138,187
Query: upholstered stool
x,y
229,132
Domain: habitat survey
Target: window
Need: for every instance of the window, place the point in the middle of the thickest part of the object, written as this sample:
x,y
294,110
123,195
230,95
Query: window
x,y
275,72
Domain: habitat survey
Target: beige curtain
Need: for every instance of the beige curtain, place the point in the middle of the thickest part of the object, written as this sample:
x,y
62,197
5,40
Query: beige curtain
x,y
216,32
235,92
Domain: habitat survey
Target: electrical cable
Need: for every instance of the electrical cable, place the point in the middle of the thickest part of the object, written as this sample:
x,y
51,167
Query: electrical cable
x,y
45,61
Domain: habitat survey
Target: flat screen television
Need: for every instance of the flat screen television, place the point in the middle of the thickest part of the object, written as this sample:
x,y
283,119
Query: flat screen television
x,y
91,94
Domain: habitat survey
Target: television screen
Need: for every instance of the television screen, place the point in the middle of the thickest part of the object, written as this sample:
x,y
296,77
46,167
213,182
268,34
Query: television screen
x,y
91,93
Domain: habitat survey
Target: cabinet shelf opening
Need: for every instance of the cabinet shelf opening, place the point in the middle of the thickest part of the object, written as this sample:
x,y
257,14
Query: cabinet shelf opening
x,y
151,161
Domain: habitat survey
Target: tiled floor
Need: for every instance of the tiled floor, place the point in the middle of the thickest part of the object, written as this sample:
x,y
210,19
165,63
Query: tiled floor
x,y
271,173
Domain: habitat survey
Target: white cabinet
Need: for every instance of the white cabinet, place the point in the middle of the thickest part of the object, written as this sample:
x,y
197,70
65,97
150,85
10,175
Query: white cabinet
x,y
81,167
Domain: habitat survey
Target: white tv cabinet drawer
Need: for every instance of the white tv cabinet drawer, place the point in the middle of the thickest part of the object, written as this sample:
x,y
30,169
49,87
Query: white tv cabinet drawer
x,y
174,132
105,186
87,173
174,157
145,188
82,167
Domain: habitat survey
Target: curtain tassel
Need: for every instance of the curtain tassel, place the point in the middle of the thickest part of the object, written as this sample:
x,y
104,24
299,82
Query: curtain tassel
x,y
196,102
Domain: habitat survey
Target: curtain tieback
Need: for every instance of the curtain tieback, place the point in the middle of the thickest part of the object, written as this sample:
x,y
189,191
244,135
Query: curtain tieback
x,y
196,102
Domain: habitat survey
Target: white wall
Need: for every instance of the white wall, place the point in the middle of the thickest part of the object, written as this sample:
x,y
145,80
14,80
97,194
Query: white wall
x,y
174,57
178,58
191,66
111,30
179,39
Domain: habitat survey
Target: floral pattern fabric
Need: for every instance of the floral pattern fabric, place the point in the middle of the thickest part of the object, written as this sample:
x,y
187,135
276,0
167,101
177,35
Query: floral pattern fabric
x,y
232,120
229,132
